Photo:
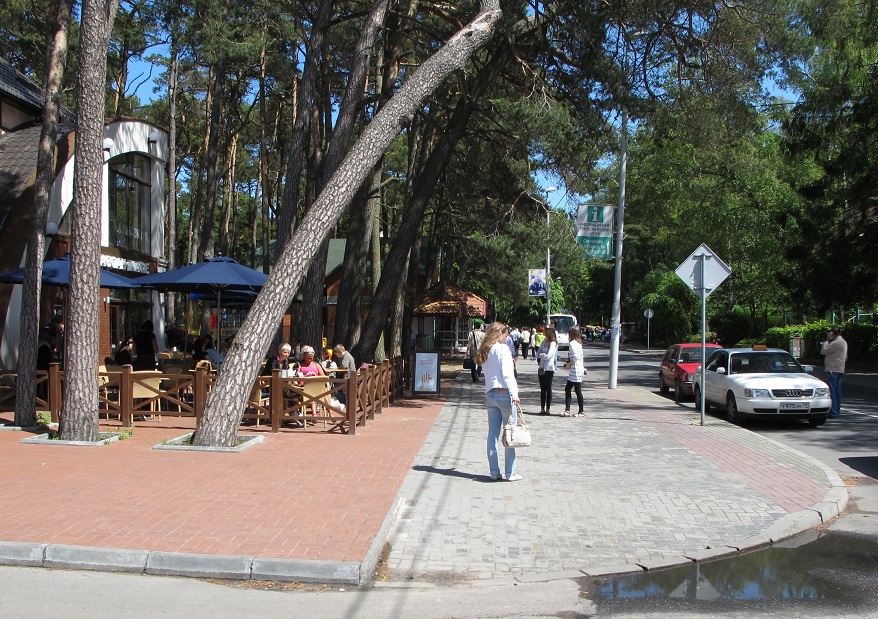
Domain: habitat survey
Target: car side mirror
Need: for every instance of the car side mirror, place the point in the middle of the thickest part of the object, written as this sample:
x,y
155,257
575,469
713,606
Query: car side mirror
x,y
720,370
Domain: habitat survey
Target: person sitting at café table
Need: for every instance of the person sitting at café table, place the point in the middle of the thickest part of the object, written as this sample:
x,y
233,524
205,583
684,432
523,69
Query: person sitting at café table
x,y
123,355
310,367
211,354
344,359
279,361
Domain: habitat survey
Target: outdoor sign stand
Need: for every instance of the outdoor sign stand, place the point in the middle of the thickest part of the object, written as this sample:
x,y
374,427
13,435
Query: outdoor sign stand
x,y
425,373
648,314
703,271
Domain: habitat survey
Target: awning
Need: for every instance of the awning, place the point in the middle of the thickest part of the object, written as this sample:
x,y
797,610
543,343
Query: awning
x,y
445,299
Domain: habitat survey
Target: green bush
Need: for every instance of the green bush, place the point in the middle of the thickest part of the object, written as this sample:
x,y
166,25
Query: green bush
x,y
862,339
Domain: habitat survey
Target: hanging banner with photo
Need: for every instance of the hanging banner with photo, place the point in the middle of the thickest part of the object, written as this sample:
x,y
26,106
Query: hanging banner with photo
x,y
536,282
595,233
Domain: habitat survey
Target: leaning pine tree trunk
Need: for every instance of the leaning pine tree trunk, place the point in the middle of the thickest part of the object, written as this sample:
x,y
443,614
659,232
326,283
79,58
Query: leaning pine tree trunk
x,y
56,56
79,413
225,404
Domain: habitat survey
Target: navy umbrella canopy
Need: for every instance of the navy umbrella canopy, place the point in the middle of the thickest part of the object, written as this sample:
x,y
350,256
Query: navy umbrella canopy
x,y
57,273
215,275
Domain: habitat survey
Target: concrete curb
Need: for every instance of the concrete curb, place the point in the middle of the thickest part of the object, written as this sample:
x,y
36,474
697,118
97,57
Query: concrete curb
x,y
28,554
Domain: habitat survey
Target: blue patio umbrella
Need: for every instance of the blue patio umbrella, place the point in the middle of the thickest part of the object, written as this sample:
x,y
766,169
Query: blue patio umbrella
x,y
57,273
216,275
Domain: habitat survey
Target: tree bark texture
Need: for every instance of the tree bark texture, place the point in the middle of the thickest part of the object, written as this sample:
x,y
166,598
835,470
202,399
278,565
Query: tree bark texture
x,y
79,412
225,404
56,56
208,233
286,217
410,227
359,238
171,198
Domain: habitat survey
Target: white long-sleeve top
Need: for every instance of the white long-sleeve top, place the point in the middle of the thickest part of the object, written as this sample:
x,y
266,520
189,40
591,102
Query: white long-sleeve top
x,y
547,354
499,370
577,361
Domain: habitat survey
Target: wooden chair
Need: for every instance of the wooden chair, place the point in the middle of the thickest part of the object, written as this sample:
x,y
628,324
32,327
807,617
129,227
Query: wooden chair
x,y
258,400
105,389
147,385
316,397
206,364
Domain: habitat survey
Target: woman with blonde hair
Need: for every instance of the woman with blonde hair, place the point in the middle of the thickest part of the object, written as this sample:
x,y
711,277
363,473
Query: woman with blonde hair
x,y
501,395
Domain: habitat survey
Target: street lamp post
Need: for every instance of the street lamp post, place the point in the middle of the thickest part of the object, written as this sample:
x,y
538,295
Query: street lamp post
x,y
615,321
548,260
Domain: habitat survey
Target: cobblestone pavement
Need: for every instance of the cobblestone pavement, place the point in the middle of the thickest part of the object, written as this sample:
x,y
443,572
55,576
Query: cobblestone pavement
x,y
637,481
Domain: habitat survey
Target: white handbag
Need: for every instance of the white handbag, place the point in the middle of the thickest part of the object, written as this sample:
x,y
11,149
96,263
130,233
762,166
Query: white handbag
x,y
516,434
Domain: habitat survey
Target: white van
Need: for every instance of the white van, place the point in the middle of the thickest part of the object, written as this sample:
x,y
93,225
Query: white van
x,y
562,324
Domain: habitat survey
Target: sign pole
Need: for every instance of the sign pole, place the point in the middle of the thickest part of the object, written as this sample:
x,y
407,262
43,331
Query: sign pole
x,y
703,271
703,332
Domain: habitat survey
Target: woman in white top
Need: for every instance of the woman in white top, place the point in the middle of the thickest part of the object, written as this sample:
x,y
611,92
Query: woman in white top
x,y
501,394
577,372
547,354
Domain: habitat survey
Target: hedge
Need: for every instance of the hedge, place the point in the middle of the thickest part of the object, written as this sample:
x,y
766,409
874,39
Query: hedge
x,y
862,339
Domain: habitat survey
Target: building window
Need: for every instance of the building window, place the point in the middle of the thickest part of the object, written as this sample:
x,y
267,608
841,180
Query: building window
x,y
130,208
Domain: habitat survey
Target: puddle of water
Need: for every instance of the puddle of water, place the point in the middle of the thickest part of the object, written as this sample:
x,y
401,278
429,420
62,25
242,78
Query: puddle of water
x,y
831,568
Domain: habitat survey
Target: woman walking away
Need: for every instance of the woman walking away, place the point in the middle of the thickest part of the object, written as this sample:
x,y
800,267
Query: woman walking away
x,y
501,395
547,353
574,379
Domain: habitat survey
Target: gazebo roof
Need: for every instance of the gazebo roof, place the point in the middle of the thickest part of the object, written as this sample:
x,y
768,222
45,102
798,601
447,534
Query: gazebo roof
x,y
445,299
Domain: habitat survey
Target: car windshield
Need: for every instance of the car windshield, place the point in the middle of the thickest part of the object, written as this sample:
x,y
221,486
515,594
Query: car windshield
x,y
764,363
692,355
563,323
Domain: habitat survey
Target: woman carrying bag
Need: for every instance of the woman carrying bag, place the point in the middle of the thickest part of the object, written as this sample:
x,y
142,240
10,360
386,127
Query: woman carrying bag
x,y
501,396
547,353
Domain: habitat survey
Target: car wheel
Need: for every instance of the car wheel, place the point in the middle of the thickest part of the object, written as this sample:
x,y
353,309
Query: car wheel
x,y
817,421
663,388
732,414
678,391
697,391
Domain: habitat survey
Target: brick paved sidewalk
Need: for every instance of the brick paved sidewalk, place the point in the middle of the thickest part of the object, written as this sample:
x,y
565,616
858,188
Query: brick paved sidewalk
x,y
637,482
298,495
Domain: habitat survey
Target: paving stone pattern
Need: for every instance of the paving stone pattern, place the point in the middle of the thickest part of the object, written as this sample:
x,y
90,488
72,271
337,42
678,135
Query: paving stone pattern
x,y
635,480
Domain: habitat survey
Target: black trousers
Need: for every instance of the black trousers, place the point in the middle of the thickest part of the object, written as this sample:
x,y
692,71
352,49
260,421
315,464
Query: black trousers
x,y
576,387
546,390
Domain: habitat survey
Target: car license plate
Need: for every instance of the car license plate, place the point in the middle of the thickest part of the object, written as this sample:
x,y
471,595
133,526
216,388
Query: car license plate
x,y
794,406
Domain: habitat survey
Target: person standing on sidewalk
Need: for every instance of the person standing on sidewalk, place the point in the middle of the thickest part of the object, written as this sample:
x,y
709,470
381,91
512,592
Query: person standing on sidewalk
x,y
578,371
525,342
547,354
501,396
536,341
835,349
473,342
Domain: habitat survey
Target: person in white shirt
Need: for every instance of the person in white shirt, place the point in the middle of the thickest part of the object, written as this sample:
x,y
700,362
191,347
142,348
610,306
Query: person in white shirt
x,y
577,372
547,354
501,396
525,342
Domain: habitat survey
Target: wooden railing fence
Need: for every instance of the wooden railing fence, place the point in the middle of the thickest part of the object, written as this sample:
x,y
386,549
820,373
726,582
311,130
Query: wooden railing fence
x,y
274,400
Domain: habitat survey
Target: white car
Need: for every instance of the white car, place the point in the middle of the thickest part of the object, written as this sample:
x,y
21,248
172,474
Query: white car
x,y
761,382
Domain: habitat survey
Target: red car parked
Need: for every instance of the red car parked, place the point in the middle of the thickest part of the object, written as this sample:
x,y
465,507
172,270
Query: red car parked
x,y
678,368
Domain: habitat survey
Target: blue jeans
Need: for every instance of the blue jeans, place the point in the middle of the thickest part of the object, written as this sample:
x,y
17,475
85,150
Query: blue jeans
x,y
833,379
499,405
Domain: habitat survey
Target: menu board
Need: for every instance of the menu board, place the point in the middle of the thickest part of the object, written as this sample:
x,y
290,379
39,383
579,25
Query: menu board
x,y
425,373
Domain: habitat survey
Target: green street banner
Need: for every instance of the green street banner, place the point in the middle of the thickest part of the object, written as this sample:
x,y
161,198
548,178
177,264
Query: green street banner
x,y
595,233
